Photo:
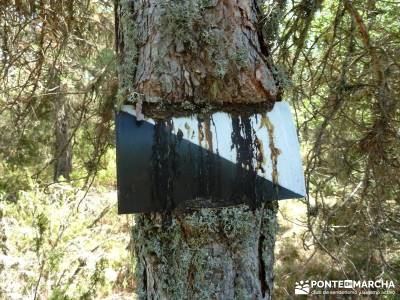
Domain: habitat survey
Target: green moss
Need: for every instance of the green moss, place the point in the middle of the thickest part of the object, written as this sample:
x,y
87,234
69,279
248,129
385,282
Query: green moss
x,y
128,60
281,77
207,37
184,249
120,98
180,17
240,57
184,21
221,67
188,105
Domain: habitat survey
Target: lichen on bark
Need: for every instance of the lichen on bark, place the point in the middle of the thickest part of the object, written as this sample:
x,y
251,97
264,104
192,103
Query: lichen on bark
x,y
198,51
127,49
206,254
197,54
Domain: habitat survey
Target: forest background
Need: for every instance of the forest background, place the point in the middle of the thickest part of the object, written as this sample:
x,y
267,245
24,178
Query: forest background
x,y
60,235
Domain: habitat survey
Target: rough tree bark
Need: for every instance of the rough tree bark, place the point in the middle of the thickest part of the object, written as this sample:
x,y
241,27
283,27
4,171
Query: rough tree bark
x,y
191,53
62,145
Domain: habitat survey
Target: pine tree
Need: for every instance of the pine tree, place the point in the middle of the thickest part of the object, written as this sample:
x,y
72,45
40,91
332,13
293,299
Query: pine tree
x,y
181,53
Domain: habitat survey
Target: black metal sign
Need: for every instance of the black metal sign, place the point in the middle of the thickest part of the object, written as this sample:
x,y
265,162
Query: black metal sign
x,y
213,160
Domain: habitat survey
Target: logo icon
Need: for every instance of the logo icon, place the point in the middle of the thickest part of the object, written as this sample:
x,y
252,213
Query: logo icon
x,y
348,284
302,287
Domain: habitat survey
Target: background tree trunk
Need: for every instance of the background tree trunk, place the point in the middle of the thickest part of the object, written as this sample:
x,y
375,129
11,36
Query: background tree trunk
x,y
203,52
62,143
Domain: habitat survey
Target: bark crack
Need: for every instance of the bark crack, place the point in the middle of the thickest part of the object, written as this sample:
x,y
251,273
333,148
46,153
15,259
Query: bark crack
x,y
261,266
144,277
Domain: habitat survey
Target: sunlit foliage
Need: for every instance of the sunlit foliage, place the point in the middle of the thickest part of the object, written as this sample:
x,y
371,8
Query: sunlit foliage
x,y
339,63
54,53
343,66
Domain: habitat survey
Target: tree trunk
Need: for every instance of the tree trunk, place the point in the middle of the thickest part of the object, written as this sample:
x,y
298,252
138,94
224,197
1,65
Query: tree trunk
x,y
62,143
199,52
208,254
